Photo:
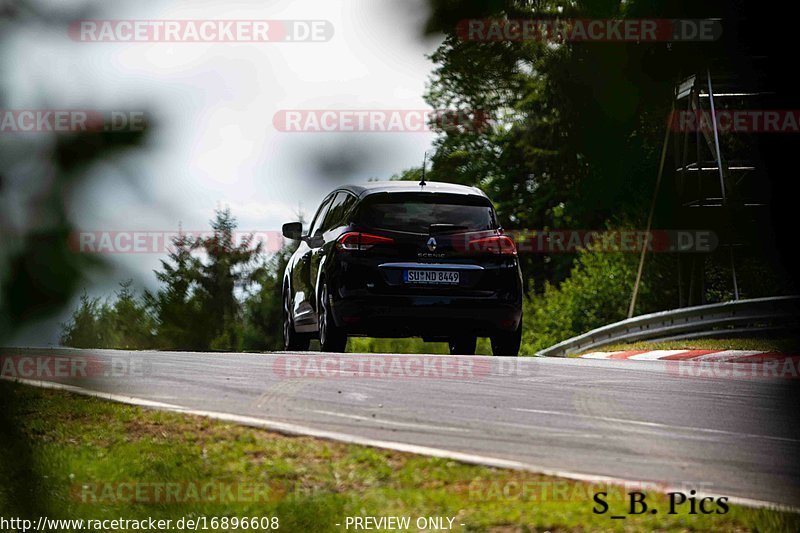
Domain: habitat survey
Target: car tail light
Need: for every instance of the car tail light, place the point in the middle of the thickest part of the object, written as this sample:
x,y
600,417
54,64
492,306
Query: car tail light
x,y
499,244
353,240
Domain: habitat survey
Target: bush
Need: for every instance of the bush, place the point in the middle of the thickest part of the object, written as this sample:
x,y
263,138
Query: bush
x,y
597,293
124,324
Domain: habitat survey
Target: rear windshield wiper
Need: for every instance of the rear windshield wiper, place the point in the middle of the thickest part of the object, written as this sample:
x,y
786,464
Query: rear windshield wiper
x,y
445,228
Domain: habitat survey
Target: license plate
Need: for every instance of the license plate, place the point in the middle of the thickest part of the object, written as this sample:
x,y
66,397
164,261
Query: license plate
x,y
432,277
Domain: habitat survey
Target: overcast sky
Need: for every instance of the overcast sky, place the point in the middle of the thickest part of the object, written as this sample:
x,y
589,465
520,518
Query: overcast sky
x,y
213,103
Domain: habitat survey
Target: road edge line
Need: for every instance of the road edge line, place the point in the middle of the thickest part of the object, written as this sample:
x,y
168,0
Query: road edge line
x,y
287,428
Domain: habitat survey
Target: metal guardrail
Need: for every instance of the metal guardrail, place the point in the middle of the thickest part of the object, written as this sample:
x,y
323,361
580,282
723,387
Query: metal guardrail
x,y
742,316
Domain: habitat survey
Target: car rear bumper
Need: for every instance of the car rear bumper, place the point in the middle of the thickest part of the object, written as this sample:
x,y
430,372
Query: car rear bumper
x,y
381,315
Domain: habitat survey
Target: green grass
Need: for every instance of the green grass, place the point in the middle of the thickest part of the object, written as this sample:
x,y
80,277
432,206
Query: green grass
x,y
418,346
53,443
407,345
788,346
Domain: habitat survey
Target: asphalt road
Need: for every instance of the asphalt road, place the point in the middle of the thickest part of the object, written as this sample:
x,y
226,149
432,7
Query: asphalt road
x,y
635,420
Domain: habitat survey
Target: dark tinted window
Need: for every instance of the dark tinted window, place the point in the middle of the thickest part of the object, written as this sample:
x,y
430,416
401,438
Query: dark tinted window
x,y
338,211
316,225
416,213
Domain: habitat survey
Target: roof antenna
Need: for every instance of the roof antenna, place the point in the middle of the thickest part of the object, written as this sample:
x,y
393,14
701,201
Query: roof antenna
x,y
424,160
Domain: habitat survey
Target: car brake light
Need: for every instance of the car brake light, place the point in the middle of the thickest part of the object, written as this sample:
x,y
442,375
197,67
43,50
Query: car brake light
x,y
499,244
353,240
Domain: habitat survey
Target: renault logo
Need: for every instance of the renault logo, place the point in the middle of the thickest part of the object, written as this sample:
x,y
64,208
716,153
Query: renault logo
x,y
432,244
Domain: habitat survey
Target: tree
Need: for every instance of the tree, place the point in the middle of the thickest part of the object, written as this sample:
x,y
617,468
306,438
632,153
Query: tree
x,y
229,267
124,323
199,304
577,125
263,306
178,314
263,313
83,329
198,308
132,324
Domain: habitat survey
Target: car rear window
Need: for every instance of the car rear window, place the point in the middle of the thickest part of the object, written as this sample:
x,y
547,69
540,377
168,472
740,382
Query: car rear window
x,y
416,213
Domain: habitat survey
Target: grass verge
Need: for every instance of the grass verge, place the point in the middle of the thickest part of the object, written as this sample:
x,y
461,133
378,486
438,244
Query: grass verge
x,y
408,345
73,457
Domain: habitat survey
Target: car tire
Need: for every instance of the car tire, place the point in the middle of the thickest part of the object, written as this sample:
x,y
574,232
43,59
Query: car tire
x,y
463,345
507,343
292,341
331,338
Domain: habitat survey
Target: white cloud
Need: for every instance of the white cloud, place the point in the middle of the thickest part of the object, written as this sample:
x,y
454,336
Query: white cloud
x,y
213,106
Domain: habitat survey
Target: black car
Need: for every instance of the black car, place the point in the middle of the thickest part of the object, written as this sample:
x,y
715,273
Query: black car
x,y
403,259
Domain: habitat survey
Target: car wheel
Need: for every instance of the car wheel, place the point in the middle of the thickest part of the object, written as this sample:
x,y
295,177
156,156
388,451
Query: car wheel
x,y
292,341
463,345
331,338
506,343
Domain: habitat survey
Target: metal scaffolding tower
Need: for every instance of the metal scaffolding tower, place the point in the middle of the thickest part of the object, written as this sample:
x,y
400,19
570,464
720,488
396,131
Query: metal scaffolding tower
x,y
719,183
719,180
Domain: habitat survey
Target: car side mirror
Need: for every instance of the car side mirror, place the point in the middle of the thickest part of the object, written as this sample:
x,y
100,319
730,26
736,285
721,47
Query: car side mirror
x,y
293,231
